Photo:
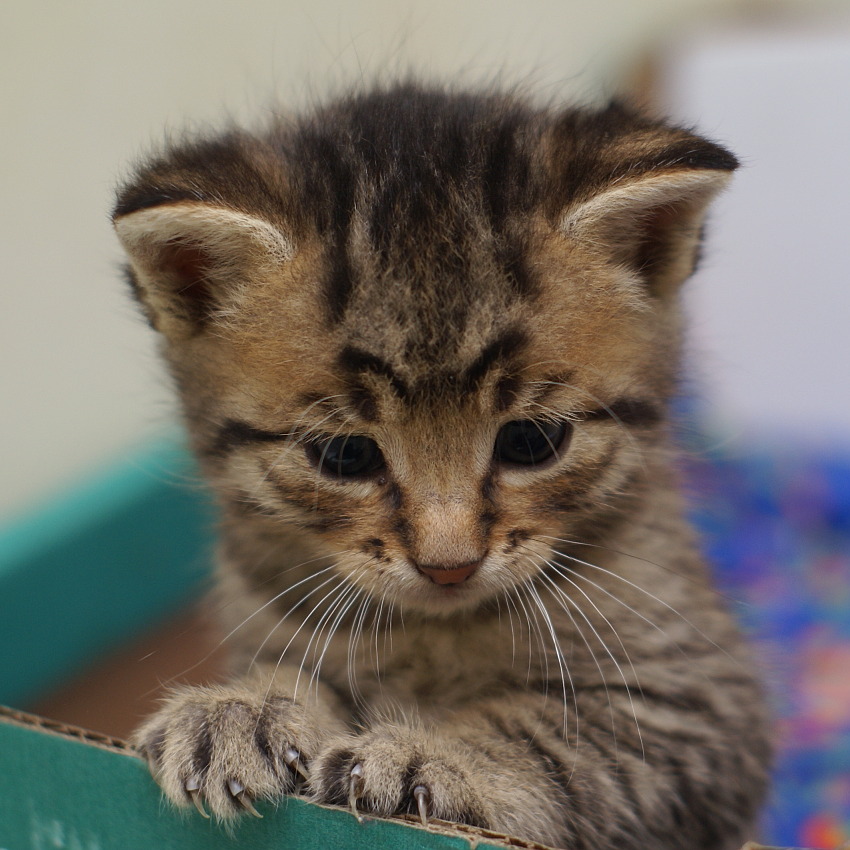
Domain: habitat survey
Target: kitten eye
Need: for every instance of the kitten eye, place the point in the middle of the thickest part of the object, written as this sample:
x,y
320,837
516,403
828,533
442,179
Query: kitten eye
x,y
529,441
349,454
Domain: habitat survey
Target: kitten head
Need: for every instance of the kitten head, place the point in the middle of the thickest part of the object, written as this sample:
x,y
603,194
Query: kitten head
x,y
431,330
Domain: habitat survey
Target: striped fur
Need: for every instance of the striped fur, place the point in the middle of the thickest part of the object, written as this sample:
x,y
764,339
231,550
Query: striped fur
x,y
536,645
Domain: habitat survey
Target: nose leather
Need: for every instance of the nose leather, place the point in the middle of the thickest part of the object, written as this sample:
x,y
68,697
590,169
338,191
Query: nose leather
x,y
449,575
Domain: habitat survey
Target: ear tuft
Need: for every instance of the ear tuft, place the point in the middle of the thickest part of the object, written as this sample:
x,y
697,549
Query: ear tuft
x,y
634,190
186,257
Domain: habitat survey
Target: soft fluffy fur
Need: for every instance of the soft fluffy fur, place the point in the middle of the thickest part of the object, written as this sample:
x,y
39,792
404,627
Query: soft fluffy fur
x,y
534,648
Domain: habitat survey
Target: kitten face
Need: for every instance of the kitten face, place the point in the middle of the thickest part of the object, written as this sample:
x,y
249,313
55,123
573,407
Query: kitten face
x,y
424,417
429,339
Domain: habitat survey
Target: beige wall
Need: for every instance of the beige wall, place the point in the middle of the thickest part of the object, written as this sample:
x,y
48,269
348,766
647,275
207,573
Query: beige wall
x,y
89,84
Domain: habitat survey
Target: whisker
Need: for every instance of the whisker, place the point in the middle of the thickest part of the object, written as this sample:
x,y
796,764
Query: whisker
x,y
596,608
557,568
317,666
297,605
340,588
563,668
265,605
292,441
354,637
373,643
562,598
321,463
546,437
523,596
510,605
538,635
615,598
388,629
349,589
642,559
652,596
559,655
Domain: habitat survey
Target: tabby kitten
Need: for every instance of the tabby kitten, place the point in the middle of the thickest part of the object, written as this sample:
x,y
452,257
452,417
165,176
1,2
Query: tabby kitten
x,y
425,342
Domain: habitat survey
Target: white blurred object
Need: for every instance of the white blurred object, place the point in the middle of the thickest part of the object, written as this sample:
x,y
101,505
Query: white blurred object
x,y
770,309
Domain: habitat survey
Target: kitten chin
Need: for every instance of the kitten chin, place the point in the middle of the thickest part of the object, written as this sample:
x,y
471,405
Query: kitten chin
x,y
425,342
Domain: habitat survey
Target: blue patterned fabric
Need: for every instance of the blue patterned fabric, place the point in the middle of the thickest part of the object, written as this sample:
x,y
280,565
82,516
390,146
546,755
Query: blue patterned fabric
x,y
777,528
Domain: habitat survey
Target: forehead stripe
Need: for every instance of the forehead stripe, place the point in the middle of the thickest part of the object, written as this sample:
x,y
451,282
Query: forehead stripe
x,y
355,361
504,347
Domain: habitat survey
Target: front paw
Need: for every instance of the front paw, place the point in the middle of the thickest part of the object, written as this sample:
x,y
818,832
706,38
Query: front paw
x,y
393,770
226,746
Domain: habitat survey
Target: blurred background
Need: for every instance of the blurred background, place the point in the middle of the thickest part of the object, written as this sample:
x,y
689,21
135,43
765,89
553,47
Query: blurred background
x,y
89,86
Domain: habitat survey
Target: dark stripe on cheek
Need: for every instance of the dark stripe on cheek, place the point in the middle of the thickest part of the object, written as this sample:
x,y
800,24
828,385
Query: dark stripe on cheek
x,y
514,537
401,529
488,487
627,411
568,492
490,513
394,497
375,547
323,524
305,400
247,505
488,519
233,435
325,511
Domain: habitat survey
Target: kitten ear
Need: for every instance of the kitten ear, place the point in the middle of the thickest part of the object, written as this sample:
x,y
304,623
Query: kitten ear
x,y
187,257
650,222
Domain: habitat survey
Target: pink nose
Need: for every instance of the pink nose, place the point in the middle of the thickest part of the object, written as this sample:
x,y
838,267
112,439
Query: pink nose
x,y
449,575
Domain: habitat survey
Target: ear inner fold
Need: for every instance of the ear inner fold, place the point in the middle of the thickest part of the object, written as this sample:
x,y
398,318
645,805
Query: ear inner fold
x,y
651,224
184,256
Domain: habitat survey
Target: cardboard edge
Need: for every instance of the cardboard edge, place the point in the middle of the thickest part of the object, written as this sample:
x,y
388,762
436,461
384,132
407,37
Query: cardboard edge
x,y
475,836
64,730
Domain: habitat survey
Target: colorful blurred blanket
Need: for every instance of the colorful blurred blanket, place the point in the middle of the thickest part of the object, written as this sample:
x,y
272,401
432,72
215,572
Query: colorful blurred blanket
x,y
777,528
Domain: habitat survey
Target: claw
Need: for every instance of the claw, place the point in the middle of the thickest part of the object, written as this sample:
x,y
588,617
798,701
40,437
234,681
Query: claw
x,y
237,791
422,797
293,761
355,788
193,789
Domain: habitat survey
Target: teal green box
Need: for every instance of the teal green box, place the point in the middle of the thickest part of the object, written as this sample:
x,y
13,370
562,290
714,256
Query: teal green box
x,y
98,565
65,788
